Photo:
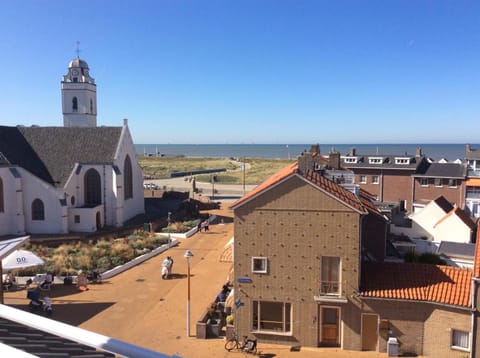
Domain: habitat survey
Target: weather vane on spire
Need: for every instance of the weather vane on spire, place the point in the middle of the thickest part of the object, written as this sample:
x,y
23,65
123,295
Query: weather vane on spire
x,y
78,49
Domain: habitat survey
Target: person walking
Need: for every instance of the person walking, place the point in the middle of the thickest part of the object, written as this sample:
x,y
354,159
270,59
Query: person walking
x,y
166,265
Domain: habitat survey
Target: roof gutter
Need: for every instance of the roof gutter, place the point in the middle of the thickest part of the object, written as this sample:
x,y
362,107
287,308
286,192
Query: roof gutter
x,y
473,296
463,308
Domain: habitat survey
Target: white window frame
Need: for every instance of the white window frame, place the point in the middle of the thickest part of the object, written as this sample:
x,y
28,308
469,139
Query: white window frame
x,y
375,160
287,318
426,180
438,185
454,340
403,161
338,283
375,181
452,183
352,160
363,179
264,264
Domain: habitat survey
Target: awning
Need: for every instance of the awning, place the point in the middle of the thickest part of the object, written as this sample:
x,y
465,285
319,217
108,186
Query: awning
x,y
473,182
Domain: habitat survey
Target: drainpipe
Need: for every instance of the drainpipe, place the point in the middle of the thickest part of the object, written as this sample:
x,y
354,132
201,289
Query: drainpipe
x,y
473,311
104,197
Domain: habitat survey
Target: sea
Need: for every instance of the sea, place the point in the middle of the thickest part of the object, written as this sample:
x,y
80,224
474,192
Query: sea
x,y
436,152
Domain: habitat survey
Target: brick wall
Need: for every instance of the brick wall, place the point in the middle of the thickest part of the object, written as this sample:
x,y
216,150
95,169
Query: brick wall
x,y
294,224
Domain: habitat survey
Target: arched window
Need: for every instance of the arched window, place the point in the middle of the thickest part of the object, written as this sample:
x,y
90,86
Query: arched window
x,y
93,188
74,104
127,178
2,207
38,210
91,106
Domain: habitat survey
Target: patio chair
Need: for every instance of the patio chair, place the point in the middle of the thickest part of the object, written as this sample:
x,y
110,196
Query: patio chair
x,y
47,284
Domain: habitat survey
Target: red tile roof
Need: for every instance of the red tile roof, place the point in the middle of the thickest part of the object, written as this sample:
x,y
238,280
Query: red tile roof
x,y
279,176
417,282
358,203
335,190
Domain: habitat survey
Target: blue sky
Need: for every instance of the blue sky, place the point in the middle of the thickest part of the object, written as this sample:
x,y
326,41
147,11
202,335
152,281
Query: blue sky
x,y
242,71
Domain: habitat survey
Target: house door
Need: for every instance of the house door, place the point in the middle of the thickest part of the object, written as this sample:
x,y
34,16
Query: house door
x,y
369,332
330,326
99,221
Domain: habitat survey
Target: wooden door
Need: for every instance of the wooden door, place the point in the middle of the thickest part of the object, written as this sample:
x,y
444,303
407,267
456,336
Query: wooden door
x,y
369,332
330,327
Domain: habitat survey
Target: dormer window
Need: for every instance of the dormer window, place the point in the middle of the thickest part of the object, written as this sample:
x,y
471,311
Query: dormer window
x,y
402,160
351,160
375,160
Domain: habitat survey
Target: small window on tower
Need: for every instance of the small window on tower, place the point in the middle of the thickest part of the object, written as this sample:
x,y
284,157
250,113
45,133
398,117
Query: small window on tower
x,y
91,106
75,79
74,104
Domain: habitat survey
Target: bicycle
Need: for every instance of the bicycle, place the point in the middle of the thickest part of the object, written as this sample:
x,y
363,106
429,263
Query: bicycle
x,y
248,345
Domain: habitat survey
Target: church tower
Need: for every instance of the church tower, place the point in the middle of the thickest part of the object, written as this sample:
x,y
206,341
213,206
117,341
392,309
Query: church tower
x,y
79,96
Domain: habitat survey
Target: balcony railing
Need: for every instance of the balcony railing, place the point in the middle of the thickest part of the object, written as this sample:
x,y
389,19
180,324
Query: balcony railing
x,y
329,288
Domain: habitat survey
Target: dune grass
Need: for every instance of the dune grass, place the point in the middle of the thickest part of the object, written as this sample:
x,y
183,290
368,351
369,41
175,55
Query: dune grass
x,y
258,169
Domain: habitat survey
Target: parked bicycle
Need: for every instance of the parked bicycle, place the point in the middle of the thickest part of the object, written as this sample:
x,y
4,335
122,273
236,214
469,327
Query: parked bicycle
x,y
248,345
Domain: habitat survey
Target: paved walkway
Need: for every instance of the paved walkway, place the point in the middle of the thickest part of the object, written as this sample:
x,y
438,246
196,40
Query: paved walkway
x,y
139,307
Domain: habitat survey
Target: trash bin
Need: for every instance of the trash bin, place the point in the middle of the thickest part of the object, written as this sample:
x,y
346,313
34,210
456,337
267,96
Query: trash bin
x,y
392,347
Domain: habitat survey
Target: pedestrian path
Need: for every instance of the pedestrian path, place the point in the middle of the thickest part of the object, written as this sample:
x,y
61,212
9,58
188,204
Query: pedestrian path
x,y
137,306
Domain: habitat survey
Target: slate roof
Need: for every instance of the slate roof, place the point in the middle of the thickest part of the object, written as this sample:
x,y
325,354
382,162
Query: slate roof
x,y
472,153
444,170
388,162
42,344
417,282
444,204
50,153
456,249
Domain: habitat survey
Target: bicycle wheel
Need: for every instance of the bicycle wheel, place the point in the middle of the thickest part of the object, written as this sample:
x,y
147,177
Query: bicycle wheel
x,y
231,344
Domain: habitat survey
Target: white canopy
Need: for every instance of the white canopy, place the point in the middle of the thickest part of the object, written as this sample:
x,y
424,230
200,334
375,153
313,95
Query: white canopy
x,y
21,259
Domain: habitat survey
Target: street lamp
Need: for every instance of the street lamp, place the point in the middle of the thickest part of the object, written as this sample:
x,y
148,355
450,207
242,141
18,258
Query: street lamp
x,y
188,255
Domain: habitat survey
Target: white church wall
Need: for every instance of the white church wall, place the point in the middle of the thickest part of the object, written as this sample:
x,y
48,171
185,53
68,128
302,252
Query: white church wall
x,y
11,219
135,205
84,219
34,188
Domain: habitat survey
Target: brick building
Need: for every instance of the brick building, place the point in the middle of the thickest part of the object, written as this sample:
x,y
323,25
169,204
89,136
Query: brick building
x,y
311,270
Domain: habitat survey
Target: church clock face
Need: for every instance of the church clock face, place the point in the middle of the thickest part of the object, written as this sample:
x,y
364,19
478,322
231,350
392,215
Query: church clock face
x,y
75,72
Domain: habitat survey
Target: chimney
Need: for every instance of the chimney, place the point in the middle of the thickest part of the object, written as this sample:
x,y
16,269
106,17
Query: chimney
x,y
468,148
125,122
305,162
418,152
315,149
352,152
334,160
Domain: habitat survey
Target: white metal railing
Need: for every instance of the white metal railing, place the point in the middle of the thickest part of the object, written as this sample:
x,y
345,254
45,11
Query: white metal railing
x,y
79,335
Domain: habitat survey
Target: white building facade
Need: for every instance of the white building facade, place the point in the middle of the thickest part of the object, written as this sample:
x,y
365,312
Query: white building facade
x,y
76,178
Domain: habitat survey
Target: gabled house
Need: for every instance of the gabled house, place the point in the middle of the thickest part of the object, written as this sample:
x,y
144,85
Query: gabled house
x,y
439,179
310,271
441,221
299,240
388,177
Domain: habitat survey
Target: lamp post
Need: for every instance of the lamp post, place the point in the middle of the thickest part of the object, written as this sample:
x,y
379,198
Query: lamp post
x,y
188,255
